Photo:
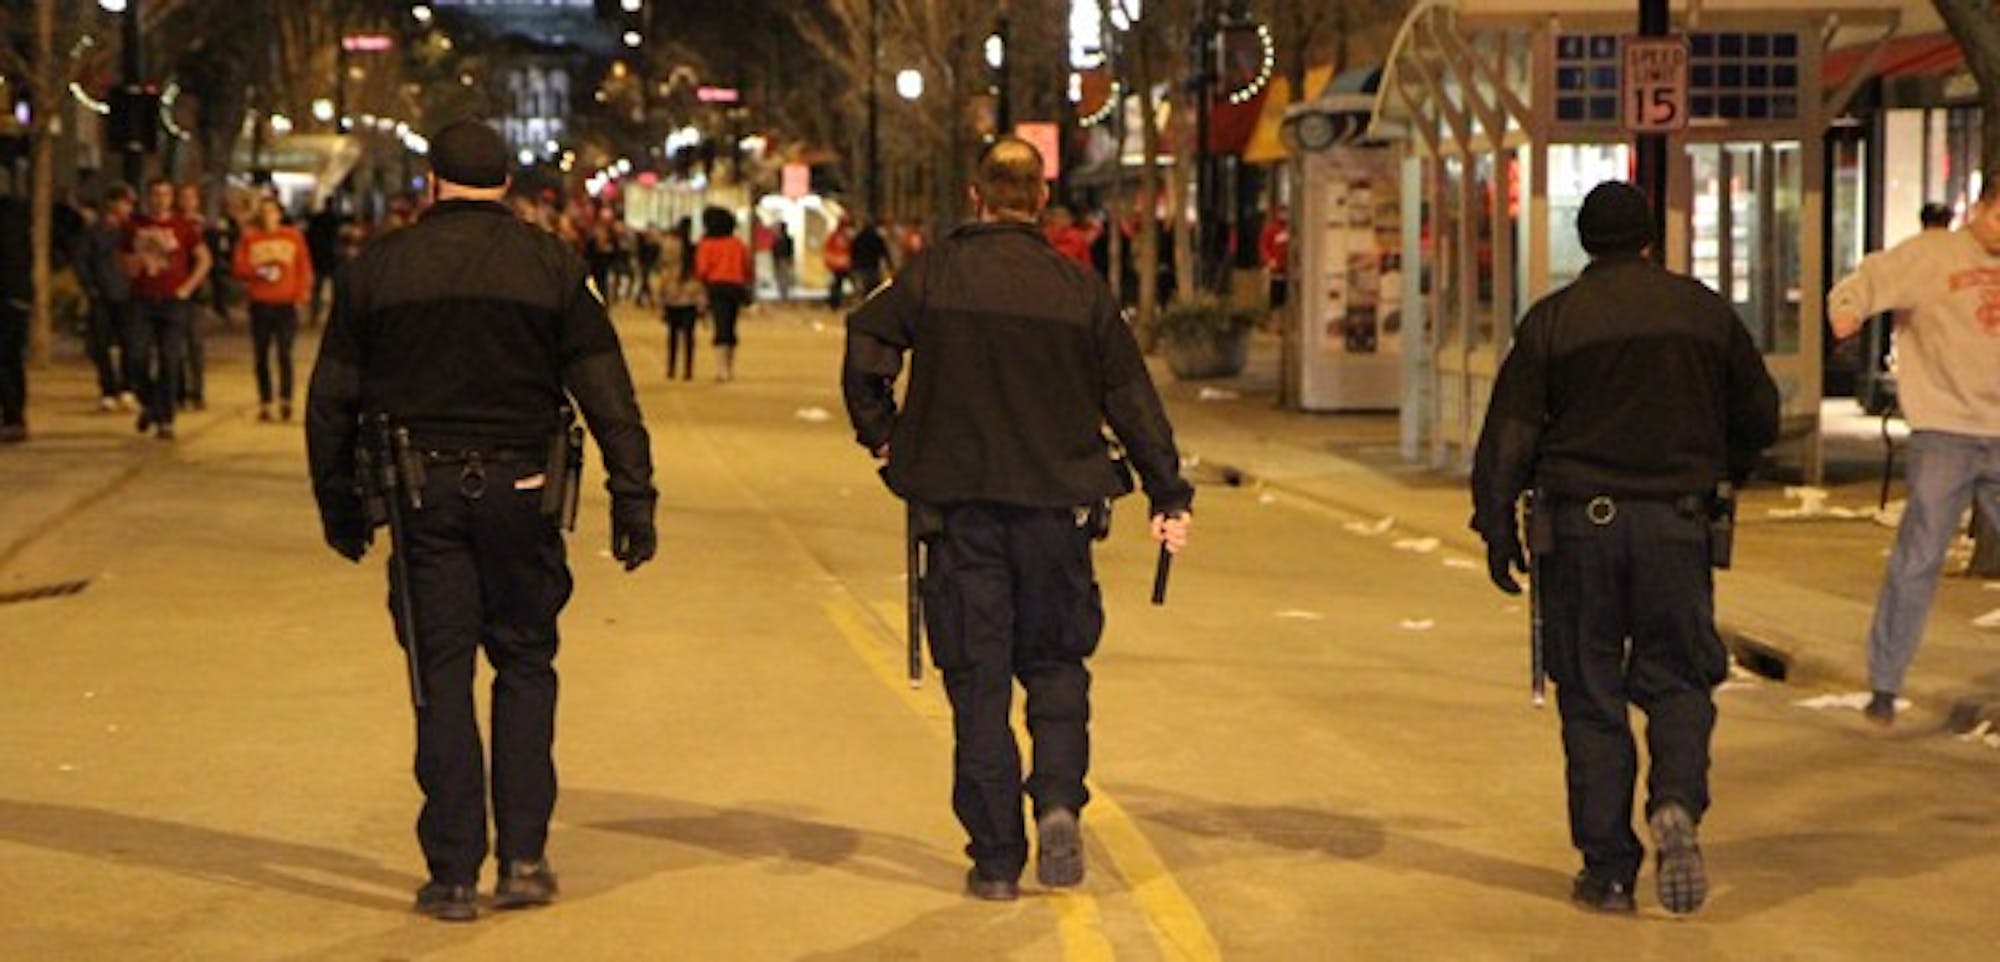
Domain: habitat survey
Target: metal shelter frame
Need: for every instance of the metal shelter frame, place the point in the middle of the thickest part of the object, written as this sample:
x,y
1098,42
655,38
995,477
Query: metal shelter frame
x,y
1471,89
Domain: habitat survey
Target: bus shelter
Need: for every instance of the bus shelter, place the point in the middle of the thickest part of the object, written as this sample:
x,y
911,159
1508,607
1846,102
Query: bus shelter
x,y
1510,111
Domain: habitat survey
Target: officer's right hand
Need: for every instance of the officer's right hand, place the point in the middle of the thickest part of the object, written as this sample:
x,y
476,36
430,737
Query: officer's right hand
x,y
633,537
1504,556
1171,530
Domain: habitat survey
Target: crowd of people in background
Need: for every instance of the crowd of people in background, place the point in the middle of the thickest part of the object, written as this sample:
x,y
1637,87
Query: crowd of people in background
x,y
159,276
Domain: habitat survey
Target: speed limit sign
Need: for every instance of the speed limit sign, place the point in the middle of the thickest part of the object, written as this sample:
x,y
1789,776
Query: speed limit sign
x,y
1655,87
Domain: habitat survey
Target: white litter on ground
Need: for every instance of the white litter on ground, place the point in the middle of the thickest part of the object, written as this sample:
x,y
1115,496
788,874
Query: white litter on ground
x,y
1418,545
1299,614
1190,461
90,694
1462,564
1811,504
1991,586
1990,619
1741,678
1417,624
1267,498
812,415
1370,528
1992,741
65,767
1844,701
1977,734
819,327
1217,394
1892,515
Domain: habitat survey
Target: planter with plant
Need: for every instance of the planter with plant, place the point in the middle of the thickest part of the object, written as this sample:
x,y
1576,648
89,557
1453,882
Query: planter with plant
x,y
1204,338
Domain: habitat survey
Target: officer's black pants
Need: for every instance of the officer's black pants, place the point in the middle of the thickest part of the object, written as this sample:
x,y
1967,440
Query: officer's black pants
x,y
486,572
1629,616
272,329
1009,595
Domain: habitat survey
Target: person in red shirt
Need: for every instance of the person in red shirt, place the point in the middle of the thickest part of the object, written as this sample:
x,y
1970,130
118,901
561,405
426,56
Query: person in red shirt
x,y
722,262
167,261
1274,247
1070,239
273,263
838,252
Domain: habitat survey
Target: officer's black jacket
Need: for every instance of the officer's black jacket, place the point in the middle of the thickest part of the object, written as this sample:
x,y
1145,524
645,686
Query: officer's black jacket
x,y
469,327
1632,381
1018,360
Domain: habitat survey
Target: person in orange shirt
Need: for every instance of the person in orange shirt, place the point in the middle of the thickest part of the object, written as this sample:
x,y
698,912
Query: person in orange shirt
x,y
275,266
722,262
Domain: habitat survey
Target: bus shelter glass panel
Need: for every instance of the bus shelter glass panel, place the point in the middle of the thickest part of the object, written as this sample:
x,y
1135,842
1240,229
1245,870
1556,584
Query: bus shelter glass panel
x,y
1445,244
1573,170
1480,331
1744,234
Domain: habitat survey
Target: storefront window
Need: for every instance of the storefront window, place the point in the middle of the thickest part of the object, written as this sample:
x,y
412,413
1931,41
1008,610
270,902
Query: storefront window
x,y
1744,234
1573,170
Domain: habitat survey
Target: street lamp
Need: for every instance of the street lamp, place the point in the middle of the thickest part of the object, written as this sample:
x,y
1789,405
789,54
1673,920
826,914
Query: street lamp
x,y
909,84
421,13
112,6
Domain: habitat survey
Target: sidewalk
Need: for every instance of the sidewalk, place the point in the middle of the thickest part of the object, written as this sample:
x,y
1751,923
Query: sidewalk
x,y
1796,605
77,455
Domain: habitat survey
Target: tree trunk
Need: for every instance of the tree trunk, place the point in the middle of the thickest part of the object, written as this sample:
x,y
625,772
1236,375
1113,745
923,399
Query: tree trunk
x,y
1976,27
1149,184
47,101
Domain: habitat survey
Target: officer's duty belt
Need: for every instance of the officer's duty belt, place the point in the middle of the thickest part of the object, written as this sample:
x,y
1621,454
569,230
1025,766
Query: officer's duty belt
x,y
1602,509
486,455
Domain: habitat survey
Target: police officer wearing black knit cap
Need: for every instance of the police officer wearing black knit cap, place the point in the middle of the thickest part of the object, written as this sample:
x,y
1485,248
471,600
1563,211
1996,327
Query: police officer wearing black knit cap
x,y
1628,398
1018,360
472,331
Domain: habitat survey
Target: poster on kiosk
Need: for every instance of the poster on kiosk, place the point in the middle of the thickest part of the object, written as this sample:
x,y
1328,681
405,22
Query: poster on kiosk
x,y
1353,281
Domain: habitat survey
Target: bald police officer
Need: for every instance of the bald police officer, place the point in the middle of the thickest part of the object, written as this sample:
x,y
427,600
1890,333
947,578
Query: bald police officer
x,y
1019,358
1627,398
471,331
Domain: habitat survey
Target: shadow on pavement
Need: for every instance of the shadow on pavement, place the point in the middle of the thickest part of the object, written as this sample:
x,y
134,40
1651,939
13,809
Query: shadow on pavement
x,y
1344,837
968,930
206,853
780,836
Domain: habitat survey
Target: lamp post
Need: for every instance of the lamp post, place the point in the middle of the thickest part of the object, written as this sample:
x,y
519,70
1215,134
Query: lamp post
x,y
134,68
1650,150
874,148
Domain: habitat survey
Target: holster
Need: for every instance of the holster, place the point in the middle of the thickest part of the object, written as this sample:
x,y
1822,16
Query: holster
x,y
1722,525
562,471
926,521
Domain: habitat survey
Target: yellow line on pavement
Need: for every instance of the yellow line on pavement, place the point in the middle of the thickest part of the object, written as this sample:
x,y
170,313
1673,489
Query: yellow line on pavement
x,y
1176,925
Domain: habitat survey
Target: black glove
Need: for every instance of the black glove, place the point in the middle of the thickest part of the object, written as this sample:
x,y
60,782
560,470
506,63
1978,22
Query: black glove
x,y
633,538
349,541
1504,556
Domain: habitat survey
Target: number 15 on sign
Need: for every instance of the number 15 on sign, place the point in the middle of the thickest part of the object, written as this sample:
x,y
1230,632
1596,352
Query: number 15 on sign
x,y
1655,87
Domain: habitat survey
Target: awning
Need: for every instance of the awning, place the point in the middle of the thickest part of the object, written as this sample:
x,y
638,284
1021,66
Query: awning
x,y
1265,146
1928,55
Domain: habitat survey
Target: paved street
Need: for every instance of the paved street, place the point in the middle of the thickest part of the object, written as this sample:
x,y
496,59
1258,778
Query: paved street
x,y
1320,749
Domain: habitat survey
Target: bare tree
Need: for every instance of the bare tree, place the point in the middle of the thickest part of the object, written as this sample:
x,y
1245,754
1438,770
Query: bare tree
x,y
1975,24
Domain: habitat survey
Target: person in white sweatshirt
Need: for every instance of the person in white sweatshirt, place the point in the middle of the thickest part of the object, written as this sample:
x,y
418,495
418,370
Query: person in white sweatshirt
x,y
1944,286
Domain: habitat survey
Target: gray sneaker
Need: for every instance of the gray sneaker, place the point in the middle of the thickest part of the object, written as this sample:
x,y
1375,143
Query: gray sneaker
x,y
1678,868
1058,849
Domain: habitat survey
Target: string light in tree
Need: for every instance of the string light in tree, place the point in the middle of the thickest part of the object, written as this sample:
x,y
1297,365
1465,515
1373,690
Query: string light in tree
x,y
1104,112
1266,62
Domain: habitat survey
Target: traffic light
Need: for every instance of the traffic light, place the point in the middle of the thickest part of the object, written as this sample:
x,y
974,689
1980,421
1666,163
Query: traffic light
x,y
133,125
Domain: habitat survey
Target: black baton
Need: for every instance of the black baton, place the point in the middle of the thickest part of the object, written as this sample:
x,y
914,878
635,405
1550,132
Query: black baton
x,y
1161,569
913,557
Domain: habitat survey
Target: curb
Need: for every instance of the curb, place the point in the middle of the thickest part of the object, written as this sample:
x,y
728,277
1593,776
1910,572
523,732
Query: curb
x,y
1766,654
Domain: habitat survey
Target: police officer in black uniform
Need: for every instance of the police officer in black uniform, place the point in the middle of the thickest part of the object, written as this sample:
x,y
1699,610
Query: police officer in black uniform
x,y
472,330
1630,397
1019,358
